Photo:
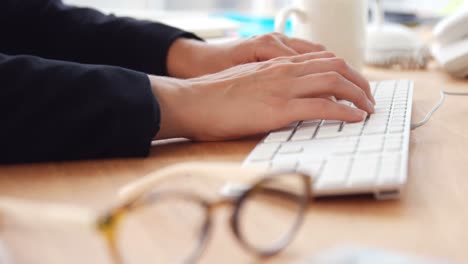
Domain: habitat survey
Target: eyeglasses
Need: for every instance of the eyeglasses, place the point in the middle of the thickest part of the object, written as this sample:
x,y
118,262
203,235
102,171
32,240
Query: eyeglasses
x,y
179,223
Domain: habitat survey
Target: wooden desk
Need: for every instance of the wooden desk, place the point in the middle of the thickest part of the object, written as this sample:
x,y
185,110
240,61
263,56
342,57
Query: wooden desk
x,y
430,219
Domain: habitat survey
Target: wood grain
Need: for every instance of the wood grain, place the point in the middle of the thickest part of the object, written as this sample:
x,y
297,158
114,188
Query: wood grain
x,y
430,219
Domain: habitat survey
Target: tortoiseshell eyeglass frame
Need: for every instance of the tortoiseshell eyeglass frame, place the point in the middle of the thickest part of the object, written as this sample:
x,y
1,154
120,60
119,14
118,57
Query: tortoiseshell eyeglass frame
x,y
109,223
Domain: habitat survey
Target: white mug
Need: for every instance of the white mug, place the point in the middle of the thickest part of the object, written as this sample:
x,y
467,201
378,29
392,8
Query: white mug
x,y
339,25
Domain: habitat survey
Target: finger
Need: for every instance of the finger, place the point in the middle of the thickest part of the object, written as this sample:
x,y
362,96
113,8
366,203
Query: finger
x,y
330,84
337,65
306,57
271,47
303,46
319,108
362,82
330,98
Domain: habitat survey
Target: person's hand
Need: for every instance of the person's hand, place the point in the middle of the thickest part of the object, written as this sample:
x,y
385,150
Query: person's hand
x,y
191,58
259,97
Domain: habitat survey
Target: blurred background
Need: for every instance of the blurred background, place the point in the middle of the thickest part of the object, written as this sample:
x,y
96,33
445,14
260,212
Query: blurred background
x,y
421,6
251,17
173,4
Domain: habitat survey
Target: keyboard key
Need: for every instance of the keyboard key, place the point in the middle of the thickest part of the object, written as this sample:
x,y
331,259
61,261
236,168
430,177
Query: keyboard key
x,y
386,89
264,152
353,126
293,125
327,132
392,138
304,160
396,129
378,119
401,91
382,111
393,146
290,148
262,165
384,102
377,129
344,102
398,119
332,123
373,86
373,143
305,131
328,129
352,129
390,172
346,146
399,105
279,136
363,171
397,124
311,168
319,147
393,142
311,122
399,112
284,165
400,99
335,173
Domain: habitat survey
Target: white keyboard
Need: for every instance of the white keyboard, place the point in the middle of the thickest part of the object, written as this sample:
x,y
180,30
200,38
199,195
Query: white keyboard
x,y
348,158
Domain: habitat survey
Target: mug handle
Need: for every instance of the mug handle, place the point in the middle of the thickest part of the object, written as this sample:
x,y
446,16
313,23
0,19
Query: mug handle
x,y
284,14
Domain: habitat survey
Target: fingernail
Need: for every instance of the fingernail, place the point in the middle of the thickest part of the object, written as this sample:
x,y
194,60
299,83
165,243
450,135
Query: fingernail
x,y
362,115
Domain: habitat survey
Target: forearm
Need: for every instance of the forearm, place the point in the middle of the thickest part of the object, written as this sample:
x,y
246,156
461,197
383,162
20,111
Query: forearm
x,y
53,110
50,29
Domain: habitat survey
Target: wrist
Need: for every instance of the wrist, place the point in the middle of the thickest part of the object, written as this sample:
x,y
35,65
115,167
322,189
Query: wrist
x,y
170,95
188,58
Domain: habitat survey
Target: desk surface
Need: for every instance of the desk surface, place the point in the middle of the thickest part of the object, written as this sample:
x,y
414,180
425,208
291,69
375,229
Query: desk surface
x,y
430,218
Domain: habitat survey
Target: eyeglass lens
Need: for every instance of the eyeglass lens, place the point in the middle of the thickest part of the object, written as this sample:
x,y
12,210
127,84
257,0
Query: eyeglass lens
x,y
269,215
166,230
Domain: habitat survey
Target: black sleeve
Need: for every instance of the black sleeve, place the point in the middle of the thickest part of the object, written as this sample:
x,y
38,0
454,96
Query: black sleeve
x,y
54,110
50,29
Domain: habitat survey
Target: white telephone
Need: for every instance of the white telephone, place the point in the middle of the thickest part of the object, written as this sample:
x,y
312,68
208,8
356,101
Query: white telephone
x,y
451,47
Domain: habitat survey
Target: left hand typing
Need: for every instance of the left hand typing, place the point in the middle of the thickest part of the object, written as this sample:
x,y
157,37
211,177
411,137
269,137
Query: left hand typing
x,y
191,58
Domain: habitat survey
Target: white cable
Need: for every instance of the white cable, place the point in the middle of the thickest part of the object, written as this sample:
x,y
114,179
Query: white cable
x,y
436,107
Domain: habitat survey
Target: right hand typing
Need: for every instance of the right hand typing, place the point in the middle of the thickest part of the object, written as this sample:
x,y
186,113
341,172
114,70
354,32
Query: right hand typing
x,y
259,97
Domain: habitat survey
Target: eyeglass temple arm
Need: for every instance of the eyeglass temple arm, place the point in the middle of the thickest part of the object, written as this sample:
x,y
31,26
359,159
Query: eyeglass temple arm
x,y
214,171
40,213
28,211
50,213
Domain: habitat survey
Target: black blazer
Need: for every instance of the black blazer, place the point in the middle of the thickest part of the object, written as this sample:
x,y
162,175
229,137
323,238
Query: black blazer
x,y
73,82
